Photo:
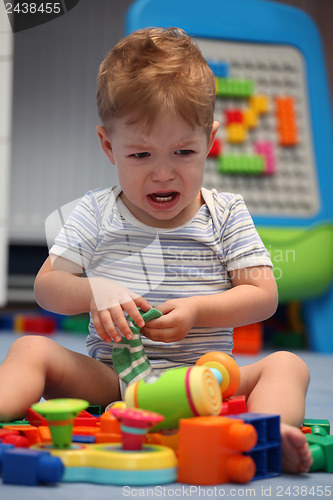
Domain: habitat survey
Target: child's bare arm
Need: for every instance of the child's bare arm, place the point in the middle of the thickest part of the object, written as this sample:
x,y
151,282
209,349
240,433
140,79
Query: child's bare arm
x,y
59,287
253,298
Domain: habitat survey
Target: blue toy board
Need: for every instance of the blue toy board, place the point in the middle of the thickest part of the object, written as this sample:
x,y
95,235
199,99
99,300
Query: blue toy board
x,y
274,145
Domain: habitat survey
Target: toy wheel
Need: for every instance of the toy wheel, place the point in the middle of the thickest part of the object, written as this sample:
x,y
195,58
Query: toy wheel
x,y
228,368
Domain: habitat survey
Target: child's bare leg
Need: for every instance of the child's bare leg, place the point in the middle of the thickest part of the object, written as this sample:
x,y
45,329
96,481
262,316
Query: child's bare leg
x,y
37,366
278,384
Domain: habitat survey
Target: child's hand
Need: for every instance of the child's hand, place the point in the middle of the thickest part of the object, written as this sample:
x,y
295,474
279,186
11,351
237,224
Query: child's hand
x,y
109,301
177,320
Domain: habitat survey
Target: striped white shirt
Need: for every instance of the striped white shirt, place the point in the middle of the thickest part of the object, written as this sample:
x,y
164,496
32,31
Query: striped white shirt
x,y
105,238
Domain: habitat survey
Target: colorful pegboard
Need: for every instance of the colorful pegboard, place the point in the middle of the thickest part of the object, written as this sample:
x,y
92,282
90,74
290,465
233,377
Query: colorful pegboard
x,y
262,106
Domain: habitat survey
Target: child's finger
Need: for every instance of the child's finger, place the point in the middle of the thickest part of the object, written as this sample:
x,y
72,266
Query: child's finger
x,y
101,332
132,309
109,326
118,317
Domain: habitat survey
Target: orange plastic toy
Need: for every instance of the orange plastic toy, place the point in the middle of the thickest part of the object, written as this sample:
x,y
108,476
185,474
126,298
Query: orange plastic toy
x,y
210,451
227,367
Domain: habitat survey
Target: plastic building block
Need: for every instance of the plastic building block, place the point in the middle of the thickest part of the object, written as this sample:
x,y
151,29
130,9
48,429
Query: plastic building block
x,y
95,410
60,415
320,427
81,430
13,437
86,419
176,393
236,133
216,149
45,434
241,164
234,406
234,87
109,431
266,149
35,419
233,116
321,448
83,439
14,422
286,121
35,324
228,369
75,324
3,448
306,430
215,456
267,452
259,104
6,322
30,467
248,339
28,432
219,68
250,118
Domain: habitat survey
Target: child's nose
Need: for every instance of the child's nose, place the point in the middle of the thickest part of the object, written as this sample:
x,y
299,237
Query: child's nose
x,y
162,173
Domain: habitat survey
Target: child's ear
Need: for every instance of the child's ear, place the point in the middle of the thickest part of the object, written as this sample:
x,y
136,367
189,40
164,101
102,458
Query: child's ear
x,y
212,136
105,142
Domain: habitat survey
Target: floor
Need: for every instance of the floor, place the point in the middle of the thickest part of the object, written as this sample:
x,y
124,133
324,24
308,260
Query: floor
x,y
319,405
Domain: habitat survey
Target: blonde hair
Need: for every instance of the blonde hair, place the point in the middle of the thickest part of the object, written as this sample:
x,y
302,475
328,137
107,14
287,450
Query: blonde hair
x,y
156,70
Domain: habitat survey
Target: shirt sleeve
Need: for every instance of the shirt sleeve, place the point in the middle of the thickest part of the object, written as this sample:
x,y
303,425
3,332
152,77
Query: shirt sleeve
x,y
242,245
78,237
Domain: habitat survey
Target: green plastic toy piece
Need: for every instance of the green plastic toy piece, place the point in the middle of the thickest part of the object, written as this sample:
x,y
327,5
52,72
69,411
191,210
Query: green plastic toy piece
x,y
241,164
322,452
60,415
319,427
234,87
76,324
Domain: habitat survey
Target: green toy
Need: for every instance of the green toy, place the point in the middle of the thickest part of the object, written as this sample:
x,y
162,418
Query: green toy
x,y
60,415
321,448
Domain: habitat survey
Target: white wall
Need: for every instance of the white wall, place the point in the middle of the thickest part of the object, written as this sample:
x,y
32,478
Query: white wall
x,y
6,59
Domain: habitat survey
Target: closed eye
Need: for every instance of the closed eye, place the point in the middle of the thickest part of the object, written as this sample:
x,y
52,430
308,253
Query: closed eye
x,y
184,152
145,154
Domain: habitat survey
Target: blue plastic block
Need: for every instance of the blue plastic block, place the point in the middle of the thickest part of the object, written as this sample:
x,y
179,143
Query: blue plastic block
x,y
80,438
6,322
267,453
3,448
30,467
219,68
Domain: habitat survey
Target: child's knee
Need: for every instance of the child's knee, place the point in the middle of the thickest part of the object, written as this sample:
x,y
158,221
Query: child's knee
x,y
288,362
31,347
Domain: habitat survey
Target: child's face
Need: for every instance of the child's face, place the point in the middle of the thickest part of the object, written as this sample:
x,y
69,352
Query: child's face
x,y
160,172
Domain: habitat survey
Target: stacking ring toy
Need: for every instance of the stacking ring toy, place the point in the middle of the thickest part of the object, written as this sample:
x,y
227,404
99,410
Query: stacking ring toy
x,y
227,367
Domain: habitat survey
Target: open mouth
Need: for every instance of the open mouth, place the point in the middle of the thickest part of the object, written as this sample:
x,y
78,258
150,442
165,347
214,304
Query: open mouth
x,y
163,197
163,201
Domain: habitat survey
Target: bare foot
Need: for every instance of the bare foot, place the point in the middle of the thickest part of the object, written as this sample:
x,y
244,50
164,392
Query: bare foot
x,y
296,455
